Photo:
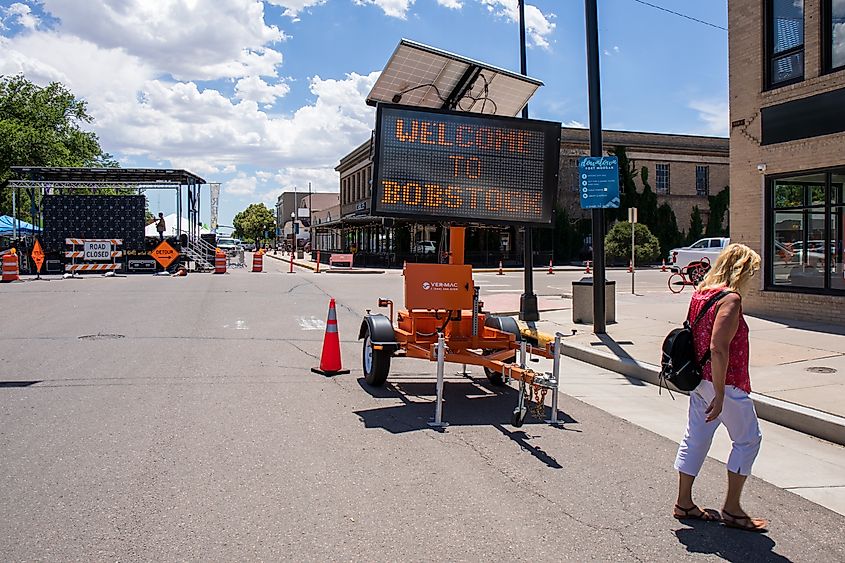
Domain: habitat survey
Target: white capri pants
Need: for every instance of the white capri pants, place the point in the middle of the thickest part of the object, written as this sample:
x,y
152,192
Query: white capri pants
x,y
738,416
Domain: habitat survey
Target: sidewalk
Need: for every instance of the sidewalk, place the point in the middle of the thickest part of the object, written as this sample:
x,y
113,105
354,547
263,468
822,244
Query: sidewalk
x,y
797,368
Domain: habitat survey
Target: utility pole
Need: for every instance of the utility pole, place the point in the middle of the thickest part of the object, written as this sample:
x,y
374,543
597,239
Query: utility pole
x,y
528,309
594,87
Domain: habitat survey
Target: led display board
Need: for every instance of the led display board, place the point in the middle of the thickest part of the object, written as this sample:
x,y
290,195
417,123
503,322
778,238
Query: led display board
x,y
448,166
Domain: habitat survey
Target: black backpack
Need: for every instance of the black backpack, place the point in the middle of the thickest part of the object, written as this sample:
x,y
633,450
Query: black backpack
x,y
679,365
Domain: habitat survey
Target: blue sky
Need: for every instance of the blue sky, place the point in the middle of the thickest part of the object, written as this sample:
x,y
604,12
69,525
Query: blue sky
x,y
262,96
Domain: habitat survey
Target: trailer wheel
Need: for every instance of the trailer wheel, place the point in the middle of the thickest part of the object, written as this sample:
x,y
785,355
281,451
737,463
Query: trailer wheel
x,y
494,377
376,363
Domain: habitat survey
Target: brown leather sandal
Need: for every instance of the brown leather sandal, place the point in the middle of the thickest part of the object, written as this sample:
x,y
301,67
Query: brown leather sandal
x,y
757,525
708,515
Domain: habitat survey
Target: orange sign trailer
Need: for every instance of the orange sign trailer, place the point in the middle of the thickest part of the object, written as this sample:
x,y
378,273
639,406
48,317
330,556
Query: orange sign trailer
x,y
443,322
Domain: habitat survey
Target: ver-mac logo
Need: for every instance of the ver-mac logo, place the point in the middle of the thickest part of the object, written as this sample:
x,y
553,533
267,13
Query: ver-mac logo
x,y
440,286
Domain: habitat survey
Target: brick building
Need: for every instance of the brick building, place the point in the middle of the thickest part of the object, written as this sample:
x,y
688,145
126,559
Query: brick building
x,y
787,94
682,169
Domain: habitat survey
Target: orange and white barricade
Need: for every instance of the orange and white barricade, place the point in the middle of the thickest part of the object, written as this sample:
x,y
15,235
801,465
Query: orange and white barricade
x,y
258,261
10,270
93,255
219,262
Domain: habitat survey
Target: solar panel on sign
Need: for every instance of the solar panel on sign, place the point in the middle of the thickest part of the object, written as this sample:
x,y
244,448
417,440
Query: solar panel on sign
x,y
422,76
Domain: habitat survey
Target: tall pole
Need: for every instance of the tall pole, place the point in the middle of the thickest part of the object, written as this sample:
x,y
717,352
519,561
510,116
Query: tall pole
x,y
528,310
594,86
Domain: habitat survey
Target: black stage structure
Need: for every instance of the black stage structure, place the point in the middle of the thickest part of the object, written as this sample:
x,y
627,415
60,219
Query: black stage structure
x,y
42,182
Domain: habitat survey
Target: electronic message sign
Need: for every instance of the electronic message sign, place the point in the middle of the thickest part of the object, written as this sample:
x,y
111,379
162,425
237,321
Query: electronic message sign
x,y
440,165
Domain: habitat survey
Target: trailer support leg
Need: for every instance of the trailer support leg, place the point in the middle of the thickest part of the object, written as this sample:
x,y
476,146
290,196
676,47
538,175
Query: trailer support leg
x,y
555,379
441,364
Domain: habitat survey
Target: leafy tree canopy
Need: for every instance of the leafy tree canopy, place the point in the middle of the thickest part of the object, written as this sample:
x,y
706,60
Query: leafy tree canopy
x,y
42,126
251,223
618,242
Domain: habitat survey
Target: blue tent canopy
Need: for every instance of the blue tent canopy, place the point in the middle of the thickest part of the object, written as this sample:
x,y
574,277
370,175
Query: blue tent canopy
x,y
7,226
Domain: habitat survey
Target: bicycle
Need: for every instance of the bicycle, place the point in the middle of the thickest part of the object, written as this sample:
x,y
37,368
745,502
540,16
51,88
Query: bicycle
x,y
691,274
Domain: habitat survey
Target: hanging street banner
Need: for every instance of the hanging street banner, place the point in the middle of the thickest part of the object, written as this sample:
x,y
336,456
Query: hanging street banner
x,y
444,165
598,182
37,256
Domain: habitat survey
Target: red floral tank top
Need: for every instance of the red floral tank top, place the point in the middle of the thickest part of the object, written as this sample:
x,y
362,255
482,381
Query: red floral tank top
x,y
737,374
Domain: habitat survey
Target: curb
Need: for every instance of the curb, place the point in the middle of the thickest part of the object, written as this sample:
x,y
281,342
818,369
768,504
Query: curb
x,y
295,263
809,421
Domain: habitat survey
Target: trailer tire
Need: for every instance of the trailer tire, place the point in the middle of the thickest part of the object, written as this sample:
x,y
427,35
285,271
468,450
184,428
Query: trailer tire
x,y
505,324
376,363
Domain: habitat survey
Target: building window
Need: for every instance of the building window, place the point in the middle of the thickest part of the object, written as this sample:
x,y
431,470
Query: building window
x,y
833,34
702,181
785,42
661,181
806,232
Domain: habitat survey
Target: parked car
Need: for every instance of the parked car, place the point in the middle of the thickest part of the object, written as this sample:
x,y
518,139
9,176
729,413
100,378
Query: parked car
x,y
708,248
425,247
249,246
229,245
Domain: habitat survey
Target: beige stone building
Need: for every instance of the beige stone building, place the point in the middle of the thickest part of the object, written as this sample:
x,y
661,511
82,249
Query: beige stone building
x,y
787,112
682,169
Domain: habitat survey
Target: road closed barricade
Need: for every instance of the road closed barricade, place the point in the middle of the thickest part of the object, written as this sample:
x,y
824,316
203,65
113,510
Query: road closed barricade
x,y
92,255
258,261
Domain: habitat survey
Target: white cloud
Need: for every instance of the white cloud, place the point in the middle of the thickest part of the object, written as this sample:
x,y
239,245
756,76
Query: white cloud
x,y
451,4
538,26
393,8
839,40
293,7
241,185
189,40
715,115
254,89
574,123
20,13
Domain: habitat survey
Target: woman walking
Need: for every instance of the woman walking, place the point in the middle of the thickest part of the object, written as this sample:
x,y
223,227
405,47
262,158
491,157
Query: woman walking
x,y
722,396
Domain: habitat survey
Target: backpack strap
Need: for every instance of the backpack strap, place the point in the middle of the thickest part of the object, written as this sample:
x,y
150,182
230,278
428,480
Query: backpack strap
x,y
710,302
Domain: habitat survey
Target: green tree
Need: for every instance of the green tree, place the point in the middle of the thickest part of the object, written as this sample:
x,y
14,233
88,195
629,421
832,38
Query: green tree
x,y
667,231
42,126
617,243
696,226
628,196
647,214
716,224
251,223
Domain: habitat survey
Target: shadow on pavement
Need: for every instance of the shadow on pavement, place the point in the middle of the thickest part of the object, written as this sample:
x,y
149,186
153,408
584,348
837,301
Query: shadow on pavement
x,y
7,384
465,403
731,545
803,325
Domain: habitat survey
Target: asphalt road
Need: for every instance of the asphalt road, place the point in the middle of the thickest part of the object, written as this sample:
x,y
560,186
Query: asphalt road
x,y
155,418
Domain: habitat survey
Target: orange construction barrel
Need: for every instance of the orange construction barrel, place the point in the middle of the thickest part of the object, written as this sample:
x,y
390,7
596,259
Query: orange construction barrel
x,y
258,261
10,267
219,262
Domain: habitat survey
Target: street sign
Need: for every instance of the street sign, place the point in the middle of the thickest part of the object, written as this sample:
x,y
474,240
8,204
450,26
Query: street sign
x,y
445,165
96,250
37,256
598,182
165,254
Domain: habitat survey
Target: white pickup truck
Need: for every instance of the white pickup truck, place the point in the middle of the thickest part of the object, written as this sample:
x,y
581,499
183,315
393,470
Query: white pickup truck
x,y
709,248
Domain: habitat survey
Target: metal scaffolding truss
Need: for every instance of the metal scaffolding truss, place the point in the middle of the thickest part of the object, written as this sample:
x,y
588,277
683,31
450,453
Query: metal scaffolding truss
x,y
51,180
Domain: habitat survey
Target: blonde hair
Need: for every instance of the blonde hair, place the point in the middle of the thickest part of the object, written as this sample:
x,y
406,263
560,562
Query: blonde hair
x,y
733,269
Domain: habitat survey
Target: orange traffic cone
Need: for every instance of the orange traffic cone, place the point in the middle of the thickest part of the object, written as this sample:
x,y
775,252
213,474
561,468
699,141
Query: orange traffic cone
x,y
551,268
501,273
587,271
630,266
330,358
663,267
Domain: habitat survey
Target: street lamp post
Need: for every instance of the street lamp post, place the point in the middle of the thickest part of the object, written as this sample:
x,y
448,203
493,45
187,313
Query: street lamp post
x,y
528,309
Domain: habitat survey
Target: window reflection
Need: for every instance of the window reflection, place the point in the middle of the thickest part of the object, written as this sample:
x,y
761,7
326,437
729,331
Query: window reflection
x,y
837,29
